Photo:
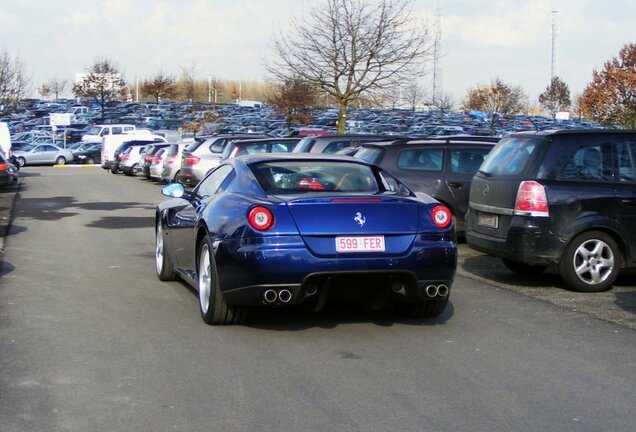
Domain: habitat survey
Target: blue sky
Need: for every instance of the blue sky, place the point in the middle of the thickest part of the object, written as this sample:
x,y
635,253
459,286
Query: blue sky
x,y
231,39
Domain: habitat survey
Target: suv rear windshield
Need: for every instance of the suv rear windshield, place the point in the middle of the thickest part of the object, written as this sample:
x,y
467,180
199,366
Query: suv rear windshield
x,y
509,156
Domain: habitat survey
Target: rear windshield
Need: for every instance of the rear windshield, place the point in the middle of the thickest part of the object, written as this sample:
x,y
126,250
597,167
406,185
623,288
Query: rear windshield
x,y
369,154
192,147
314,176
509,156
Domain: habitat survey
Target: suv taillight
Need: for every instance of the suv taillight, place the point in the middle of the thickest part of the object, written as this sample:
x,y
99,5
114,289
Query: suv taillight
x,y
191,160
531,200
171,159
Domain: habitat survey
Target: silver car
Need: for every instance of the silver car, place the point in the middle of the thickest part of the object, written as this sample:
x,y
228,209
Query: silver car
x,y
43,154
157,164
202,156
172,162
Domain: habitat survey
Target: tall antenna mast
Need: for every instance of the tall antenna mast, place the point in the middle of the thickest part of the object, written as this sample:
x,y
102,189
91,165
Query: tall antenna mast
x,y
554,31
437,46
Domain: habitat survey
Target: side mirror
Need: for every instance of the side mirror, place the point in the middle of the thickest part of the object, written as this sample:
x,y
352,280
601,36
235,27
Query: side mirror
x,y
174,190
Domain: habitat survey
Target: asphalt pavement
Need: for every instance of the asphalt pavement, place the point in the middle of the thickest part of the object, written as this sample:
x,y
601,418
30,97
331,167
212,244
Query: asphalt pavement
x,y
90,340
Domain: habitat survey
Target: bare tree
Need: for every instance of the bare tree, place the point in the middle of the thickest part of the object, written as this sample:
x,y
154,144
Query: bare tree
x,y
159,86
443,103
13,81
57,86
187,82
414,95
497,100
349,48
102,82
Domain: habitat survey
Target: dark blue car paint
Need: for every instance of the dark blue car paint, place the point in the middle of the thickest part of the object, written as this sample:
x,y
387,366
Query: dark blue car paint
x,y
301,245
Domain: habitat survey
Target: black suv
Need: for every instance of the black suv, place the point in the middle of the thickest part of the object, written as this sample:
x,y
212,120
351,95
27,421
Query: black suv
x,y
442,168
565,198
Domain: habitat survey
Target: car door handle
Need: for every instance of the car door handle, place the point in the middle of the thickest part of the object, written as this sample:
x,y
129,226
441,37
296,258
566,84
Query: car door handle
x,y
455,185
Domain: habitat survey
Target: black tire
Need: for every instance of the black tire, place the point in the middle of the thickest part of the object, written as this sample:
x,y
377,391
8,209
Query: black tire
x,y
176,176
212,305
163,263
522,268
424,309
61,160
591,262
132,171
21,161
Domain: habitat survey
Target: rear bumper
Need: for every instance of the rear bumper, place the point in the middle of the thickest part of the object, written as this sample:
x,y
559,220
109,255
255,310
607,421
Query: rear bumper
x,y
250,270
527,240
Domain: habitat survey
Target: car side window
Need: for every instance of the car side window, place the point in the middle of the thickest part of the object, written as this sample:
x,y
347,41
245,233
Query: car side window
x,y
117,130
587,163
335,146
211,184
422,159
467,161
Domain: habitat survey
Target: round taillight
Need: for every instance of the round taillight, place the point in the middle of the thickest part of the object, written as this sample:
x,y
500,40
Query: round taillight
x,y
260,218
442,216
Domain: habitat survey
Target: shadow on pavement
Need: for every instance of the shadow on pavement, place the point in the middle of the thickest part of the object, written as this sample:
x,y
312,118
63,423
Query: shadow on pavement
x,y
119,222
5,268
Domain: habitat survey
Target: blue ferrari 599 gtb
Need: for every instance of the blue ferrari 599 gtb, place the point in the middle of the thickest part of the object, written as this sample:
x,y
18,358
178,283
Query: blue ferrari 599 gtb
x,y
281,229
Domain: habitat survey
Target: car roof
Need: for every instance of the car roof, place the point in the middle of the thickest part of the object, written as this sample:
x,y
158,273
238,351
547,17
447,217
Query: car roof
x,y
459,140
267,157
553,132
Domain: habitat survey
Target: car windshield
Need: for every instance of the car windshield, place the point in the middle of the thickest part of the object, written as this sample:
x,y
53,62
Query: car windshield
x,y
314,176
509,156
27,148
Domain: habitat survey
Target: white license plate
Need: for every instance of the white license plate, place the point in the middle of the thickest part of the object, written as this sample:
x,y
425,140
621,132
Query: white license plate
x,y
488,220
360,244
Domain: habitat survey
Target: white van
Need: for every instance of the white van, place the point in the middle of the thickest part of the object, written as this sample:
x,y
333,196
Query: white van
x,y
96,133
111,142
5,139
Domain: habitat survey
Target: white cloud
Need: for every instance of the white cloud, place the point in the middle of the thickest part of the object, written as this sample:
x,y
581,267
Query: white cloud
x,y
81,19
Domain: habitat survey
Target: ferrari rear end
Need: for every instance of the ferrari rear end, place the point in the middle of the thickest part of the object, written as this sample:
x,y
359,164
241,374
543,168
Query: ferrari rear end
x,y
339,230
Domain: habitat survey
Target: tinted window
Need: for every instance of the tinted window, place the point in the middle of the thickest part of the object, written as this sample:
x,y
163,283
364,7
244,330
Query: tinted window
x,y
424,159
509,156
467,161
586,163
625,152
304,176
116,130
210,185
